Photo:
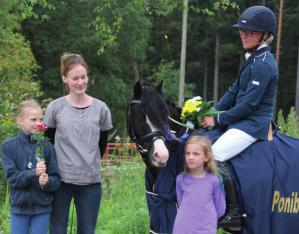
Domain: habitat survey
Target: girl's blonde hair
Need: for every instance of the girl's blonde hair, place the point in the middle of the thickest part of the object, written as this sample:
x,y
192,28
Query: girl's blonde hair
x,y
210,165
24,105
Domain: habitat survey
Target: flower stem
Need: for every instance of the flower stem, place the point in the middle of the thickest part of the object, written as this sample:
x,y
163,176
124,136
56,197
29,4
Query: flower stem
x,y
181,124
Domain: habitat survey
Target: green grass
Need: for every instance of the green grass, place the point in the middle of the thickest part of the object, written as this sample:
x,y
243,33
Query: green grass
x,y
123,208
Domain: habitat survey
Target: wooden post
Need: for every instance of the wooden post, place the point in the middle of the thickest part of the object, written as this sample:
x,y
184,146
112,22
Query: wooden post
x,y
183,54
297,85
277,53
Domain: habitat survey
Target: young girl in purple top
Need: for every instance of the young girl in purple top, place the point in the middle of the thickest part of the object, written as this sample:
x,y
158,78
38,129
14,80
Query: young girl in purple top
x,y
200,196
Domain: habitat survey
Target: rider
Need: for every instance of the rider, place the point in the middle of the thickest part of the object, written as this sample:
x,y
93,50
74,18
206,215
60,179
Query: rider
x,y
248,104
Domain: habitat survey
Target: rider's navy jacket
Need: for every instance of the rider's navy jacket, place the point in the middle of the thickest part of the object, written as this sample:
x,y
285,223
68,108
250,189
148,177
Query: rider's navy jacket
x,y
248,104
19,163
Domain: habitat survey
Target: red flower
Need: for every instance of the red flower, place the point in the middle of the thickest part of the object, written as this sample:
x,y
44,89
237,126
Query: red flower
x,y
40,138
42,127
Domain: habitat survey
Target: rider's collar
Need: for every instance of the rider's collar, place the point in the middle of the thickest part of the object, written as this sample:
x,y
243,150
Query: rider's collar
x,y
249,52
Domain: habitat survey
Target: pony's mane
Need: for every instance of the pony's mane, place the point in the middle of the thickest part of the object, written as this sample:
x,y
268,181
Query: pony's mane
x,y
155,107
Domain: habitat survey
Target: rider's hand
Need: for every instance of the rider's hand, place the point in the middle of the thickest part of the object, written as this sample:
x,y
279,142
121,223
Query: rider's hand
x,y
208,121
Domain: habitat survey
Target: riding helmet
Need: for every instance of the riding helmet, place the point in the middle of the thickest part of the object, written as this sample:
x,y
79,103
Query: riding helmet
x,y
258,19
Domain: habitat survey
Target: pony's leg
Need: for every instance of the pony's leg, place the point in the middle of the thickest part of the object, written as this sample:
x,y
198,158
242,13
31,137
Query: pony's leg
x,y
232,219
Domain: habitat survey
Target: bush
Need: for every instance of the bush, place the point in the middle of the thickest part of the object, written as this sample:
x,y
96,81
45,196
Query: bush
x,y
290,125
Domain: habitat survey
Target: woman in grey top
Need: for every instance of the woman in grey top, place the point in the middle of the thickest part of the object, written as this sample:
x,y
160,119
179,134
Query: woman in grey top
x,y
78,126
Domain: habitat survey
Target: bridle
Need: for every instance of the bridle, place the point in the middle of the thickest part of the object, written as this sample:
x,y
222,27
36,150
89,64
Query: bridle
x,y
141,140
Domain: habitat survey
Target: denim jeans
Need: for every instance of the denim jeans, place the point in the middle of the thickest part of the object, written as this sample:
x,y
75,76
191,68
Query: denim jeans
x,y
87,200
33,224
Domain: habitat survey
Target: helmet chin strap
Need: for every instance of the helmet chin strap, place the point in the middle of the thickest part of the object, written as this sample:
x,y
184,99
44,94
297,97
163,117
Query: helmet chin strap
x,y
261,42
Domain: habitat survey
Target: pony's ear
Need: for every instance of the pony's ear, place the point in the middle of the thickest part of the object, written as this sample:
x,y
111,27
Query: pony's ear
x,y
159,87
137,90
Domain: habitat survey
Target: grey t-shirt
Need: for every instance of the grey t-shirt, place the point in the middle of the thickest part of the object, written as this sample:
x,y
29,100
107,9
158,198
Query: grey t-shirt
x,y
77,139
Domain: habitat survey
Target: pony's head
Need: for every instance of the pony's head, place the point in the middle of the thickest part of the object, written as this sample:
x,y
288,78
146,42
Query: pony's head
x,y
148,123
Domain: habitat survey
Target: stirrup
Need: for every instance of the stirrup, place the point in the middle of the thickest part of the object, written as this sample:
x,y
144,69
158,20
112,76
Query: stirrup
x,y
231,222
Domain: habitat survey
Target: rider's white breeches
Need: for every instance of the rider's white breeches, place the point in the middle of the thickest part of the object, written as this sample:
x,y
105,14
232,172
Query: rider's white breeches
x,y
231,143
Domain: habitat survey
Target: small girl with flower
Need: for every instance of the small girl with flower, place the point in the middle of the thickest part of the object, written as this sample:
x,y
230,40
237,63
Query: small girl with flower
x,y
30,166
200,196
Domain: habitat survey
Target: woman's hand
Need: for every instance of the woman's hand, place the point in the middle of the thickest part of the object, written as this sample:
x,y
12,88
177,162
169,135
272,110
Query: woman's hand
x,y
43,179
40,168
208,121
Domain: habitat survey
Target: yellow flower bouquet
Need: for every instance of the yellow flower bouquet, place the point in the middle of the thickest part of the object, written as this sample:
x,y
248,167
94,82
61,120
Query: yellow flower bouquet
x,y
195,109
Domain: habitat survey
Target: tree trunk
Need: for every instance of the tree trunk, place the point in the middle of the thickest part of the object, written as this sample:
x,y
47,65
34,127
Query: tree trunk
x,y
216,69
136,73
205,79
297,85
279,28
183,54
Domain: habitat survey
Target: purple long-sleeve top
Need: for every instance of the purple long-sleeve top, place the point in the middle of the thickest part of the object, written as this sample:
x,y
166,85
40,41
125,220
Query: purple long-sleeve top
x,y
201,203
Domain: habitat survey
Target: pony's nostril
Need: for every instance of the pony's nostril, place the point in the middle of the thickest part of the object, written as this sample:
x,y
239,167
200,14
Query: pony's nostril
x,y
162,164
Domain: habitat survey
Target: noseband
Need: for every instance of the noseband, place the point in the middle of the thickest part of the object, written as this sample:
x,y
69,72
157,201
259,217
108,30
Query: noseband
x,y
141,140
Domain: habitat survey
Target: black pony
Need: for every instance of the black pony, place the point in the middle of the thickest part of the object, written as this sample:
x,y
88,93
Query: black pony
x,y
148,124
267,172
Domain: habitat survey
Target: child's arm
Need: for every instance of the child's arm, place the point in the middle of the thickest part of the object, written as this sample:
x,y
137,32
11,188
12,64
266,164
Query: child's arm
x,y
219,197
53,177
16,178
179,191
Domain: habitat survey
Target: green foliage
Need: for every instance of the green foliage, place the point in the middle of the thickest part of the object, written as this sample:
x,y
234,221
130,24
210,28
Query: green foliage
x,y
107,27
122,27
225,5
4,218
12,92
26,8
51,38
290,125
170,77
163,7
17,63
135,37
16,59
115,92
288,56
212,9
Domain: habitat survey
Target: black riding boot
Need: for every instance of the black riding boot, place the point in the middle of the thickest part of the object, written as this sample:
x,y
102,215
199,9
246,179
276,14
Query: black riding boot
x,y
232,219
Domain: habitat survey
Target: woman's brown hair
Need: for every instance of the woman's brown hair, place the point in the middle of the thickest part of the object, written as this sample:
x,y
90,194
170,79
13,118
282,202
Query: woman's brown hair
x,y
67,61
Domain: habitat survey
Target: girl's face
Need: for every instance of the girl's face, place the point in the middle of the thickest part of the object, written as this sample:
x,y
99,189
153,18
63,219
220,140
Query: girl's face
x,y
76,79
250,39
30,118
195,156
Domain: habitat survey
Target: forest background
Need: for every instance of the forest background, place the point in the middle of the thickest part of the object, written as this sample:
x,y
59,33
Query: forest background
x,y
124,41
128,40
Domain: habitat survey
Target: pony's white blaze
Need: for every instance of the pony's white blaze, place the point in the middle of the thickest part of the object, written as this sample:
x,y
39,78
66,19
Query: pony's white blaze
x,y
160,151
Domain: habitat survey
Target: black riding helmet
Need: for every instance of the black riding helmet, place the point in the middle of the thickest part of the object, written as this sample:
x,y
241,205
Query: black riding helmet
x,y
258,19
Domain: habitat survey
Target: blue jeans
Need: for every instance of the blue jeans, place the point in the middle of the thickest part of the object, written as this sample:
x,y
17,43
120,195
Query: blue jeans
x,y
33,224
87,200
